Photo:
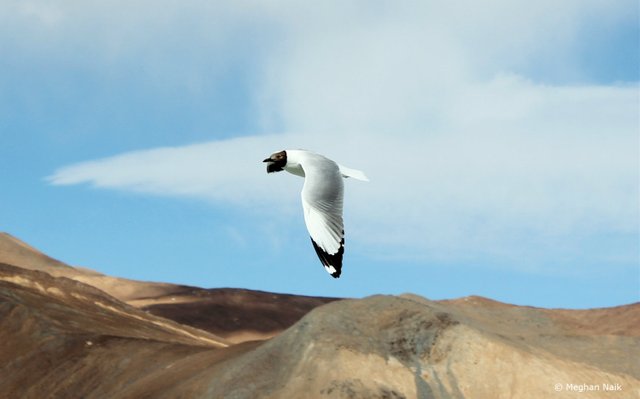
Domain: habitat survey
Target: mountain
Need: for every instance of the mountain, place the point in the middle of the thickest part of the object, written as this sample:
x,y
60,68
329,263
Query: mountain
x,y
238,315
63,337
235,314
410,347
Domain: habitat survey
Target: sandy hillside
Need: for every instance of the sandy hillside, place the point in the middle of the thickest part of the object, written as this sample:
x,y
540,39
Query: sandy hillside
x,y
237,315
63,338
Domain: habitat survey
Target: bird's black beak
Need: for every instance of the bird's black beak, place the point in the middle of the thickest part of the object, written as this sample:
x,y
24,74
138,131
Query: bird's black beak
x,y
268,160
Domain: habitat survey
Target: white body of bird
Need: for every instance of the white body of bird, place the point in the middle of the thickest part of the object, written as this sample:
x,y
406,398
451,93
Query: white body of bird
x,y
322,200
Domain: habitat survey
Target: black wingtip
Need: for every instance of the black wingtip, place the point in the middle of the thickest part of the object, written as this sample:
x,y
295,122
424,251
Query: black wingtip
x,y
331,262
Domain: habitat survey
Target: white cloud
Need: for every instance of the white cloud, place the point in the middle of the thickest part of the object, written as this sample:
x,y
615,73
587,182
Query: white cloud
x,y
561,176
229,171
467,155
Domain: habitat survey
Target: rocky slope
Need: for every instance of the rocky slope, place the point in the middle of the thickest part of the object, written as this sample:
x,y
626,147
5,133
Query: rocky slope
x,y
63,338
237,315
409,347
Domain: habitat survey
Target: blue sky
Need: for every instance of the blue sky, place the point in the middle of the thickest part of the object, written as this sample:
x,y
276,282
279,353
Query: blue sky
x,y
502,143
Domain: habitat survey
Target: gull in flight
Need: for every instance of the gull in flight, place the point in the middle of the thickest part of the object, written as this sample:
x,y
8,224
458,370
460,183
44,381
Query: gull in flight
x,y
322,198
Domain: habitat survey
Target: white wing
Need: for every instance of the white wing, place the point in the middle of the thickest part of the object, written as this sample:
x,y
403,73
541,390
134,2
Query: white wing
x,y
322,198
356,174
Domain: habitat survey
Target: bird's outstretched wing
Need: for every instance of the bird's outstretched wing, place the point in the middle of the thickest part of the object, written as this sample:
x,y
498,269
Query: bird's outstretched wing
x,y
322,199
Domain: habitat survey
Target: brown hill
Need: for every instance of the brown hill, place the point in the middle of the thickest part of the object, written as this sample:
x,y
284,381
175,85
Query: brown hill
x,y
18,253
237,315
410,347
62,338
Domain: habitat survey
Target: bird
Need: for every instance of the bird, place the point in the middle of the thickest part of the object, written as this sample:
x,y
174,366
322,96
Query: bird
x,y
322,200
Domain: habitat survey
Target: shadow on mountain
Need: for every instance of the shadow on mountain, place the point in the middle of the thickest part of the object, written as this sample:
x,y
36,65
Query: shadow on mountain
x,y
61,337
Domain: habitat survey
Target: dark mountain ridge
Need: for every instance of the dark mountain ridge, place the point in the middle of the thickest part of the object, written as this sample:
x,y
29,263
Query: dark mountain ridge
x,y
62,337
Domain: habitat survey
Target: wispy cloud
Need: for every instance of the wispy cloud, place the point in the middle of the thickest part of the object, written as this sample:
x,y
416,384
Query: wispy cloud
x,y
468,154
442,194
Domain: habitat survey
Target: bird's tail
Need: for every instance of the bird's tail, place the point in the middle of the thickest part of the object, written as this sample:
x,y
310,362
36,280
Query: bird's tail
x,y
356,174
